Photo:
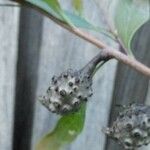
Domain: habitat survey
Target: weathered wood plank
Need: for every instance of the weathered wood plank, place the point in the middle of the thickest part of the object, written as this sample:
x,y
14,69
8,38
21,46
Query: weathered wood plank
x,y
148,92
26,79
129,85
8,57
62,50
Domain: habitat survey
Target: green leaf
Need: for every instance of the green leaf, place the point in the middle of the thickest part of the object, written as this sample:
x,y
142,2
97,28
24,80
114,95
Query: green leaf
x,y
79,21
54,4
75,19
130,15
78,6
66,130
44,6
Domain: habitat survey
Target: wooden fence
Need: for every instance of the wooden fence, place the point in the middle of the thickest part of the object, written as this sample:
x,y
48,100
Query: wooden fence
x,y
32,50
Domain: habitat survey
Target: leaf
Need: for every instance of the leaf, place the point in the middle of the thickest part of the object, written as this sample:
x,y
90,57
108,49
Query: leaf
x,y
66,130
44,6
130,15
54,4
78,5
79,21
76,20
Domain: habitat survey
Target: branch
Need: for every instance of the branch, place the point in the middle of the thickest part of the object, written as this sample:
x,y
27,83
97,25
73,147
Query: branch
x,y
132,62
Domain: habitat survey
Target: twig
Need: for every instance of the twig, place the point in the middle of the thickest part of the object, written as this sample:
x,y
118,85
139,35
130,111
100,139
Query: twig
x,y
98,43
101,57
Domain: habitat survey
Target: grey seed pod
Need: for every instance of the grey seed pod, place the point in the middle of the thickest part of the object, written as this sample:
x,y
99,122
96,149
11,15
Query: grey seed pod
x,y
68,91
75,102
132,127
65,95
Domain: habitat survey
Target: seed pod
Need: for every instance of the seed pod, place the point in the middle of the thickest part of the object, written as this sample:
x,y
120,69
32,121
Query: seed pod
x,y
65,94
132,127
68,91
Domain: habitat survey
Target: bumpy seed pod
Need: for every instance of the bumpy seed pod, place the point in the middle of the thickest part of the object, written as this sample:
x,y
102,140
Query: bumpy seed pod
x,y
132,127
68,91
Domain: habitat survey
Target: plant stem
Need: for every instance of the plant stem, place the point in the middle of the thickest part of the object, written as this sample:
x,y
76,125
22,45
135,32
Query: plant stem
x,y
90,68
132,62
98,66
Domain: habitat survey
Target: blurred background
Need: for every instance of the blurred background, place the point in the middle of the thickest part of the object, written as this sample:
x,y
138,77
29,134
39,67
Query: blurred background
x,y
32,50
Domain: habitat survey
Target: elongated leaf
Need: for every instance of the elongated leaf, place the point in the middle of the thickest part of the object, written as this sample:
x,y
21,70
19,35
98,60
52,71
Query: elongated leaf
x,y
44,6
66,130
79,21
76,20
78,5
130,15
54,4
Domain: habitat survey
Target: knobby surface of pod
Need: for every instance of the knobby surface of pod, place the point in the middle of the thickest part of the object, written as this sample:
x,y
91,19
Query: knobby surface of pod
x,y
68,92
132,127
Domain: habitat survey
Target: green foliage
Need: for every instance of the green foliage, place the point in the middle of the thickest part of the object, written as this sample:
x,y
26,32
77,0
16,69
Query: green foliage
x,y
130,15
78,5
66,130
79,21
44,6
54,4
67,16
